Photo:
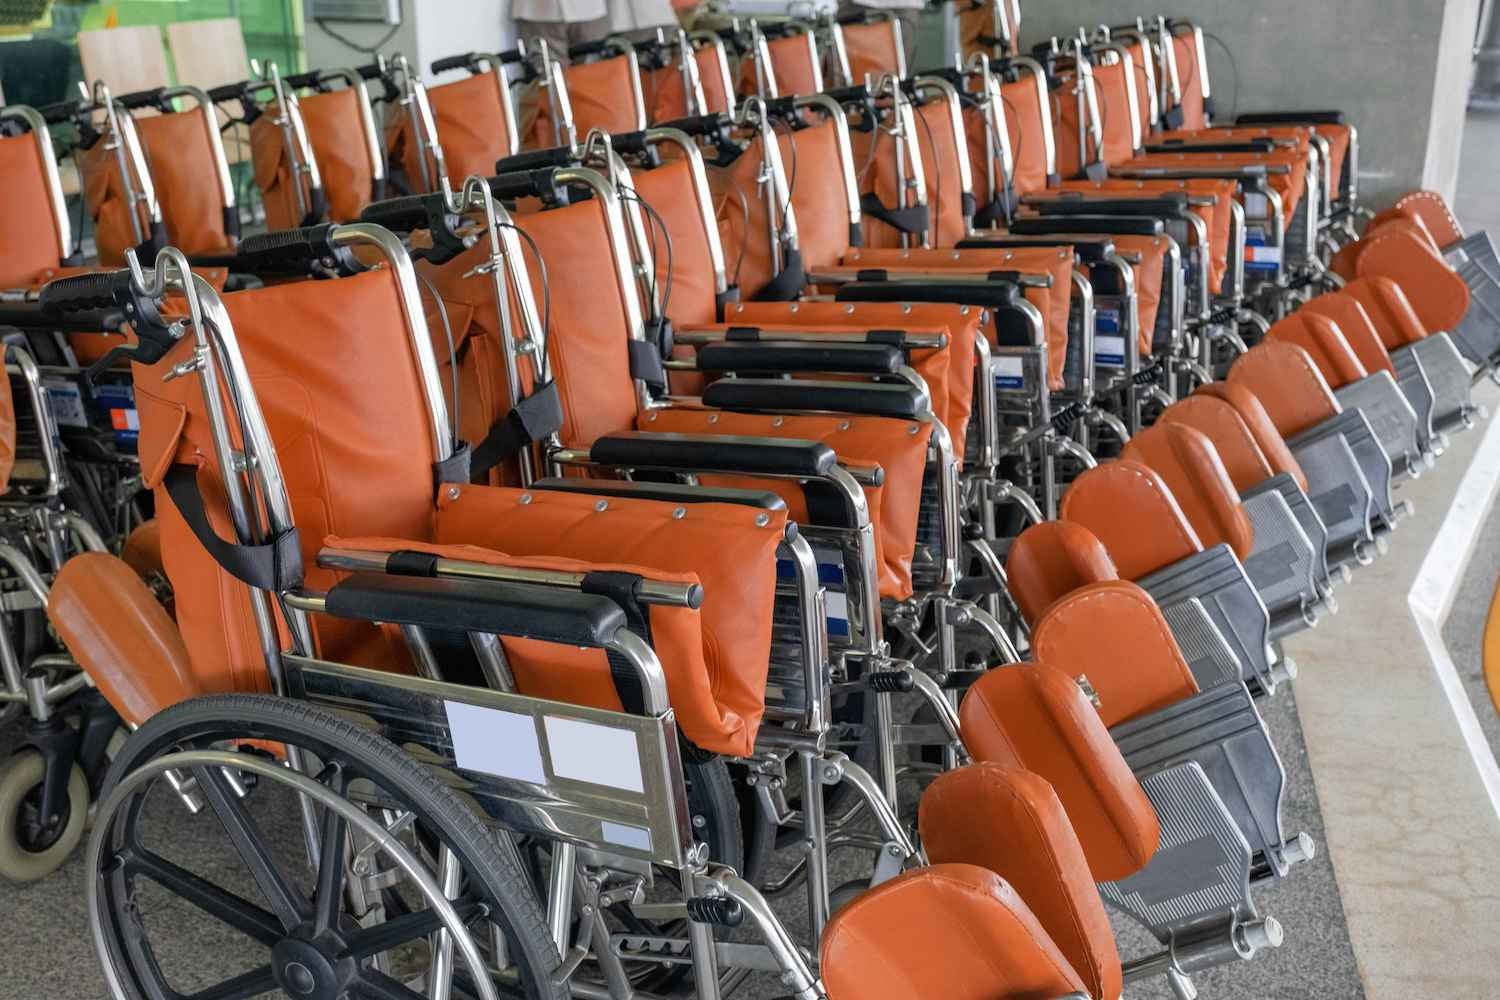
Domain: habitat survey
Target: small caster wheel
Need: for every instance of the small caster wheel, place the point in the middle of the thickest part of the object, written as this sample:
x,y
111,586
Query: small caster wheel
x,y
31,847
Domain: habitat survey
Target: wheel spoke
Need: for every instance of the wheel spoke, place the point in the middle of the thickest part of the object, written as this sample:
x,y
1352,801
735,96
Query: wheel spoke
x,y
408,927
242,987
239,913
375,985
332,837
288,904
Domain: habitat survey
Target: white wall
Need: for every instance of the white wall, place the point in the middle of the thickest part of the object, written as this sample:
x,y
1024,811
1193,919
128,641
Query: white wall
x,y
430,29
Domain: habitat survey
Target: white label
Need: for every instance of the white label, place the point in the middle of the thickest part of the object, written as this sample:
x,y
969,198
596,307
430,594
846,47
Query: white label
x,y
1257,206
492,741
1010,373
625,835
1109,351
600,755
67,404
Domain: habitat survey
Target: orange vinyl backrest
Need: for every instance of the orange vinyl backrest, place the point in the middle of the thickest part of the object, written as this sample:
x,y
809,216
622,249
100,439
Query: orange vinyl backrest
x,y
1052,559
794,64
1130,509
472,116
954,931
1053,302
952,391
1024,111
1190,76
109,209
1358,327
590,363
670,192
1011,822
872,49
1324,342
588,345
603,95
716,659
350,469
28,240
1035,716
1217,420
1115,112
341,149
1114,634
1287,382
339,146
1063,107
1268,440
1402,250
1216,217
1395,321
182,161
940,150
666,97
1187,461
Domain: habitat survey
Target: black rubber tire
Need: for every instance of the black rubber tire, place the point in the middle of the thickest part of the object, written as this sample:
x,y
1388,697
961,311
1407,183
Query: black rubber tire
x,y
20,777
492,873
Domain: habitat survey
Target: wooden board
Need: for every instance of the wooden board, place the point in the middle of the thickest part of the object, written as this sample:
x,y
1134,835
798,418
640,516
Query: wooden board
x,y
127,59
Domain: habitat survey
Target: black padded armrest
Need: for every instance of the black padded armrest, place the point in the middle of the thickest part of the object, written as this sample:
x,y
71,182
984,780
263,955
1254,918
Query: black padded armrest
x,y
1050,225
1168,204
665,492
900,401
1291,118
715,453
797,357
551,614
1089,247
1209,146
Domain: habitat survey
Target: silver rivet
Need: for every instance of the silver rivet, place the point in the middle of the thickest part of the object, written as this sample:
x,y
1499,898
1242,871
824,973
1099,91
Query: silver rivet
x,y
848,309
713,418
525,499
955,255
653,416
906,308
795,307
679,513
963,310
912,429
602,505
843,425
761,520
777,422
454,492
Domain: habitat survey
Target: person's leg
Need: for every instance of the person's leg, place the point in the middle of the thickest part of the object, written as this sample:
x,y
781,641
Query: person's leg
x,y
580,32
555,34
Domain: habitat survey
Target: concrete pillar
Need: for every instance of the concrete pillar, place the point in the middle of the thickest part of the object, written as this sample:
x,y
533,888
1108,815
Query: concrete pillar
x,y
1398,68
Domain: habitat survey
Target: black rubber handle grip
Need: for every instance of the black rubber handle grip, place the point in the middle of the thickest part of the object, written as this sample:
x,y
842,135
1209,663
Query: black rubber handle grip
x,y
446,63
702,125
285,250
140,98
299,80
584,49
629,142
56,114
857,94
229,92
85,292
370,71
402,215
524,184
781,107
540,159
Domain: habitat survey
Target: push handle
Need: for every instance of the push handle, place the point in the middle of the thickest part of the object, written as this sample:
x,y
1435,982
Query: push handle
x,y
541,159
85,292
402,215
81,295
287,250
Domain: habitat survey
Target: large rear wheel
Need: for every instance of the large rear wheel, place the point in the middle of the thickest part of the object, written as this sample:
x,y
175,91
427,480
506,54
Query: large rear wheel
x,y
408,885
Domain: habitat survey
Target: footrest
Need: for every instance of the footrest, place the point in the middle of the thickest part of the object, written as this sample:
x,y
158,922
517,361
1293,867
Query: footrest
x,y
1280,563
1200,874
1217,579
1447,377
1370,458
1391,417
1221,730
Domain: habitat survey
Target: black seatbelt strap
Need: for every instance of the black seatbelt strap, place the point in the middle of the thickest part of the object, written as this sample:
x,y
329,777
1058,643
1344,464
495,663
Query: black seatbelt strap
x,y
535,417
275,565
